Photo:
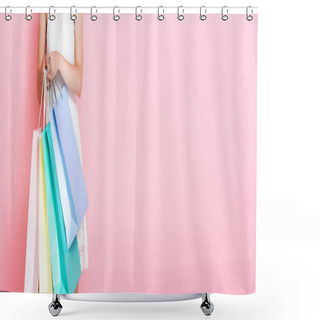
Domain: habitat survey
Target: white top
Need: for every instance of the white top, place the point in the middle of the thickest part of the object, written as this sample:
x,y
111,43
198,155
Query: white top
x,y
60,37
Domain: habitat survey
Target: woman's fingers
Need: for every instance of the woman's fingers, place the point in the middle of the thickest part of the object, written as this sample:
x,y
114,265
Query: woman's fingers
x,y
53,64
43,64
46,61
50,65
48,76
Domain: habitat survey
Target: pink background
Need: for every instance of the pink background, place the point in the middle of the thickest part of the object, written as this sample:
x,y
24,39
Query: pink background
x,y
168,131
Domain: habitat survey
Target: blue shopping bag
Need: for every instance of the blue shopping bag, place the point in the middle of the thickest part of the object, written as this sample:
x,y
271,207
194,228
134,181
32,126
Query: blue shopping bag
x,y
70,219
77,194
65,263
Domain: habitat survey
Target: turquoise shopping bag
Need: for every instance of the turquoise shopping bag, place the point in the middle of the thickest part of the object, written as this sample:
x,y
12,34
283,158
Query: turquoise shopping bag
x,y
65,264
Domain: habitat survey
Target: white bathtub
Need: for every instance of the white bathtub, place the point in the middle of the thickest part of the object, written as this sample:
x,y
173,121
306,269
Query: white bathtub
x,y
129,297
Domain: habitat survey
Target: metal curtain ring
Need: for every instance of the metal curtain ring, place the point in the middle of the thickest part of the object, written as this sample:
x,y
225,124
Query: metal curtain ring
x,y
180,15
93,17
116,17
160,16
224,16
203,14
51,16
138,16
7,16
28,16
249,17
73,17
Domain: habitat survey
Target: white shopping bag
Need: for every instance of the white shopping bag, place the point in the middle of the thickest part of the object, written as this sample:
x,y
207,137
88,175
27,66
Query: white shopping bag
x,y
38,276
31,266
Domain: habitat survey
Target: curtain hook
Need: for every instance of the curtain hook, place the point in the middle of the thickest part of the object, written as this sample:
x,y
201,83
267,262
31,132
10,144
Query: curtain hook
x,y
203,14
52,16
160,16
180,15
138,16
116,17
7,16
73,16
224,16
93,17
249,17
28,16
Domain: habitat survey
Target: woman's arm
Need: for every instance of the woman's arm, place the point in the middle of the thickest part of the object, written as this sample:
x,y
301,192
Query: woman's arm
x,y
71,73
42,57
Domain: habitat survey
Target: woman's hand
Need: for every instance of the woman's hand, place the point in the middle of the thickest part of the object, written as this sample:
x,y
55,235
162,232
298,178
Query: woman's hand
x,y
44,63
54,65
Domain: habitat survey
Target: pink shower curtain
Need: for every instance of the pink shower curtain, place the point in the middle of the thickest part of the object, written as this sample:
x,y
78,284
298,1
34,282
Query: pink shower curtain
x,y
168,131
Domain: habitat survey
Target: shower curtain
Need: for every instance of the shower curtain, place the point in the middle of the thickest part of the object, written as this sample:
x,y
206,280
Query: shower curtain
x,y
167,121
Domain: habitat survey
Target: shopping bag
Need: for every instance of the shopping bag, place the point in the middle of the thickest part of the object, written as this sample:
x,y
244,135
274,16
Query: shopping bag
x,y
38,266
65,264
31,265
45,274
70,220
78,199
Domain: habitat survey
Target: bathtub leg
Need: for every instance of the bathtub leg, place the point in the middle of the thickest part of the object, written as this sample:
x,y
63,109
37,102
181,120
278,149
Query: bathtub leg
x,y
206,305
55,306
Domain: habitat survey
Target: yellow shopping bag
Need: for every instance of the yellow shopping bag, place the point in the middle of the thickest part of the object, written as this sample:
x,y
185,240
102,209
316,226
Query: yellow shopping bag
x,y
45,274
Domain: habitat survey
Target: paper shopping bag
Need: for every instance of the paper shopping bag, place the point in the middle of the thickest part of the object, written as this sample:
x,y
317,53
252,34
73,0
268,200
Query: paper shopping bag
x,y
78,199
65,264
70,219
32,255
38,276
45,274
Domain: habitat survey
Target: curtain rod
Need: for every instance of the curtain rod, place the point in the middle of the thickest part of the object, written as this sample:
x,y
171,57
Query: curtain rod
x,y
124,9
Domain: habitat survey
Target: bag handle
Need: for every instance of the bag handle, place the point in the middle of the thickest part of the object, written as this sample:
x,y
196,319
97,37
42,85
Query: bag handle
x,y
43,101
